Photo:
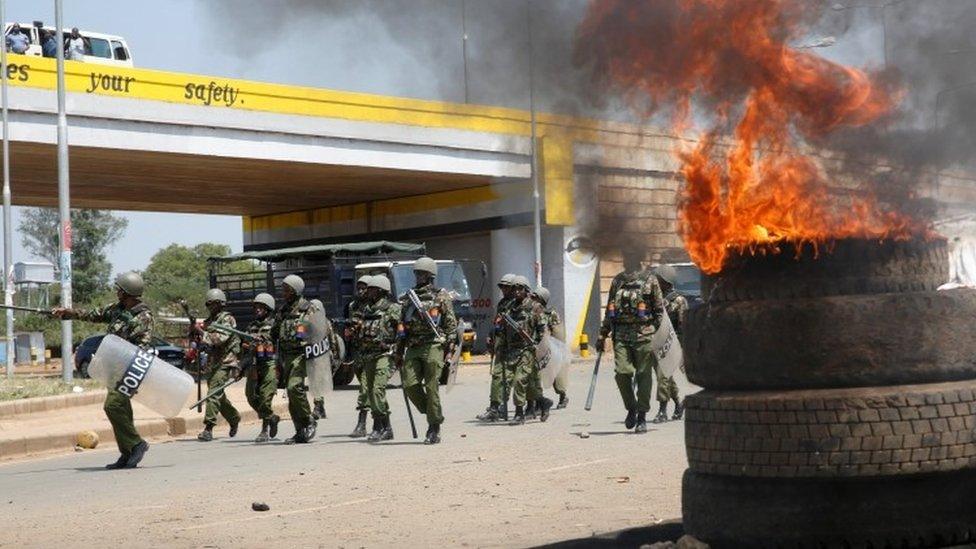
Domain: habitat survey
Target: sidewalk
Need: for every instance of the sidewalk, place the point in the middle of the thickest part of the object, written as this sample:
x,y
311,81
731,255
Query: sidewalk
x,y
53,430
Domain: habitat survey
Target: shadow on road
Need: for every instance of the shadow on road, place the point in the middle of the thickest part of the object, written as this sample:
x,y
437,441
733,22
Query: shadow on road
x,y
631,537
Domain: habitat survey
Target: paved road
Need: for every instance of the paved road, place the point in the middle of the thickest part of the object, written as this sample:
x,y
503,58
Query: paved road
x,y
485,485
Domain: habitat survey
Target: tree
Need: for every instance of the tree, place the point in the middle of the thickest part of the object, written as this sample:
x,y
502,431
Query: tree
x,y
93,232
176,272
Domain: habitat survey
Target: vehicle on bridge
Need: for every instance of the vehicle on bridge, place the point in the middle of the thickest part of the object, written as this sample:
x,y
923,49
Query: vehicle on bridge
x,y
102,49
330,272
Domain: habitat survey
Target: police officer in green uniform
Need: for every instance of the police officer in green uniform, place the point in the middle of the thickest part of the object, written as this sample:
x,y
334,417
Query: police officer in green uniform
x,y
222,359
132,320
354,317
554,324
423,357
498,398
634,311
676,305
516,355
290,333
377,340
262,377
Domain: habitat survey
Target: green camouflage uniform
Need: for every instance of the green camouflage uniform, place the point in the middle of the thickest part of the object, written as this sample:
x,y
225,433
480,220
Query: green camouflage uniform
x,y
634,311
290,331
514,354
222,359
497,370
377,336
262,379
134,325
676,306
423,359
356,307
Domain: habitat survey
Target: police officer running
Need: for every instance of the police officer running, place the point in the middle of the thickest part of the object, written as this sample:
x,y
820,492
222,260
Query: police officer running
x,y
425,348
132,320
222,360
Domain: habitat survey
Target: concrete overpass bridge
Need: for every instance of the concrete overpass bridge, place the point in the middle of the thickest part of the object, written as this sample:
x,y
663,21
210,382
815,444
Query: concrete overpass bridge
x,y
303,166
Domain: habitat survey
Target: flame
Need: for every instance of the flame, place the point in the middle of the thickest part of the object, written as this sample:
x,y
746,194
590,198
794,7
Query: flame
x,y
758,185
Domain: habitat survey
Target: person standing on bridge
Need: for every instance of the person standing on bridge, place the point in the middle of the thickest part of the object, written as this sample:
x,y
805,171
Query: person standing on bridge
x,y
262,380
290,332
429,334
222,362
74,46
377,341
17,40
133,321
49,44
354,319
635,308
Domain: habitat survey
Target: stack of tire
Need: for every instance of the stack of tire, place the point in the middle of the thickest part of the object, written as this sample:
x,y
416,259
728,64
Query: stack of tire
x,y
839,401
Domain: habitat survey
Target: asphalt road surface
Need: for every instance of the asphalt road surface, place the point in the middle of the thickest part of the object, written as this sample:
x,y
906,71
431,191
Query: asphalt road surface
x,y
484,485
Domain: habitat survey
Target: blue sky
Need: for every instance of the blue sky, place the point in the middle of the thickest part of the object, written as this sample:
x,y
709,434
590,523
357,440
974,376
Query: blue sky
x,y
349,53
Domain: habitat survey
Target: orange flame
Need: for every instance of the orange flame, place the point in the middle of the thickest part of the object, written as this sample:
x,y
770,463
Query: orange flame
x,y
759,186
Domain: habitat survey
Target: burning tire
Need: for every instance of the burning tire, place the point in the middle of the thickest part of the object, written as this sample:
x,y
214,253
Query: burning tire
x,y
897,430
849,341
907,511
851,267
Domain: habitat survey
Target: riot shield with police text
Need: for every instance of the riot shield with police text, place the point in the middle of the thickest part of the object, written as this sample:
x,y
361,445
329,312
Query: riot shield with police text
x,y
666,347
318,351
453,362
552,357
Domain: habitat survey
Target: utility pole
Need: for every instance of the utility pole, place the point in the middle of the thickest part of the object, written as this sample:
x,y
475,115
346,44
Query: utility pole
x,y
8,290
536,213
64,203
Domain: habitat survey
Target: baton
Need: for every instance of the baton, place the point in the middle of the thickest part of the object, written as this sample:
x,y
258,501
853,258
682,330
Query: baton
x,y
596,370
406,399
215,391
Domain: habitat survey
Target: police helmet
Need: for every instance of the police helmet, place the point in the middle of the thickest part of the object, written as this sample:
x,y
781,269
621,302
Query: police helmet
x,y
294,282
265,299
216,294
379,281
131,283
425,265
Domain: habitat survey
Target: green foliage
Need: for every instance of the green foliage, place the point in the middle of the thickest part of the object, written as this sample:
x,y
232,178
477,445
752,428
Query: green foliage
x,y
177,271
93,232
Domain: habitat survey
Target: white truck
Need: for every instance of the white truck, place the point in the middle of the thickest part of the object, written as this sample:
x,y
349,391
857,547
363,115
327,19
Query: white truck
x,y
103,49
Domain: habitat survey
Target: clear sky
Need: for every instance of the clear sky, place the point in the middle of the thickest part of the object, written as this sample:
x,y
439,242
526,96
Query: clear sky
x,y
343,47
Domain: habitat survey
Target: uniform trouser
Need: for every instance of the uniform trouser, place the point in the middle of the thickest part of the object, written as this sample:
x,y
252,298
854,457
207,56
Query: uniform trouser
x,y
118,409
421,375
670,389
561,382
375,375
637,359
219,403
260,388
519,369
359,367
293,369
501,382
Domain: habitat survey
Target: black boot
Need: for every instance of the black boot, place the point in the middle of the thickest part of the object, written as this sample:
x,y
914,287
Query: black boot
x,y
310,430
544,405
233,428
563,401
273,425
490,414
377,432
679,410
360,430
319,411
503,412
299,436
206,435
433,434
387,433
631,419
530,409
137,454
662,414
641,423
519,418
263,436
119,463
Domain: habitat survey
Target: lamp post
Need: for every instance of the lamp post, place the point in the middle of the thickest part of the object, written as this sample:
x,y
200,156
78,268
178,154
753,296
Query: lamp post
x,y
8,291
64,203
536,199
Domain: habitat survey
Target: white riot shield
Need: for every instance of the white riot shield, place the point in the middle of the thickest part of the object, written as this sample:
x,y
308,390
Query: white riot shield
x,y
558,360
454,361
667,348
318,351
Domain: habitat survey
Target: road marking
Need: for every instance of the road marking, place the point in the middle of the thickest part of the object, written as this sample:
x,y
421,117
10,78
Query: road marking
x,y
574,465
281,514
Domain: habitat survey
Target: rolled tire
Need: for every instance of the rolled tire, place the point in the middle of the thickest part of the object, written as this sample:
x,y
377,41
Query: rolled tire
x,y
846,341
848,267
890,431
910,511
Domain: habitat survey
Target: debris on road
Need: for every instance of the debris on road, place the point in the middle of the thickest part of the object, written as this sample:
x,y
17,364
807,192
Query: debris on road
x,y
584,434
258,506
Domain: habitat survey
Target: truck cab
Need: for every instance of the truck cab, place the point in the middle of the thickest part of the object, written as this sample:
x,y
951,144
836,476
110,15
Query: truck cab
x,y
102,49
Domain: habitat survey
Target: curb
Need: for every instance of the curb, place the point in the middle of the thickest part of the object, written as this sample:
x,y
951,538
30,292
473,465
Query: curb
x,y
148,428
50,403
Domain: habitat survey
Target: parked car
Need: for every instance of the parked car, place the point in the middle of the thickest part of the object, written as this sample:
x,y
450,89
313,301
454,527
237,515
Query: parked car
x,y
162,348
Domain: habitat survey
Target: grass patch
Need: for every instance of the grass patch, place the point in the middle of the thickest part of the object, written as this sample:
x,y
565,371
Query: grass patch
x,y
30,387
